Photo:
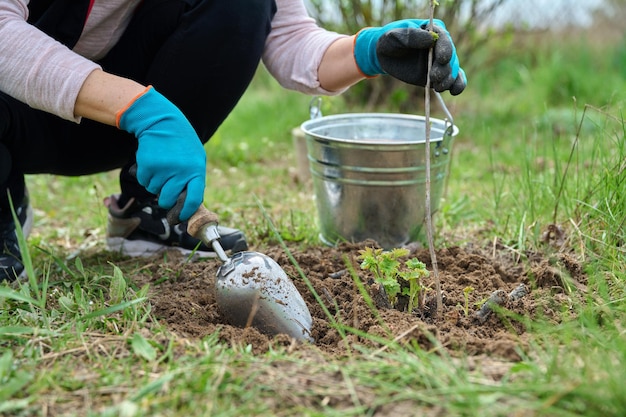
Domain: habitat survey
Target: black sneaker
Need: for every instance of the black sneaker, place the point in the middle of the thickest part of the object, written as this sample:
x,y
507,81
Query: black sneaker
x,y
11,266
142,229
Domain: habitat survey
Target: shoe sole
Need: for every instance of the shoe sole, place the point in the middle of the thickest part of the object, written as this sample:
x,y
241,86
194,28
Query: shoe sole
x,y
144,249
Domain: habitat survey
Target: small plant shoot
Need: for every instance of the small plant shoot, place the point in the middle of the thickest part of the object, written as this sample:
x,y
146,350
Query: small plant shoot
x,y
388,270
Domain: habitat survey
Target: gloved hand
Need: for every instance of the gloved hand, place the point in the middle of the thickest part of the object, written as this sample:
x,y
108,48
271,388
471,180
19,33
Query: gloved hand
x,y
401,48
170,156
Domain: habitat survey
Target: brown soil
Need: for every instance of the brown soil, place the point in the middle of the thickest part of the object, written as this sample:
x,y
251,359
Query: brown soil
x,y
529,286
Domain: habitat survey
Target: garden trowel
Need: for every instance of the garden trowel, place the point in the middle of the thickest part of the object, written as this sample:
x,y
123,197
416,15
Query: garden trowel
x,y
251,288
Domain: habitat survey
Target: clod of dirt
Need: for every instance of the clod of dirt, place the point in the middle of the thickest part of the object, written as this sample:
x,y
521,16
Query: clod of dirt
x,y
554,236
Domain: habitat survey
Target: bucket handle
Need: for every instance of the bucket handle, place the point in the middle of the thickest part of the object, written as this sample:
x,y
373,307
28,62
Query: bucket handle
x,y
449,120
315,107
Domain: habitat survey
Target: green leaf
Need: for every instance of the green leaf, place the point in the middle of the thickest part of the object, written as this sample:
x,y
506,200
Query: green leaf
x,y
25,330
142,348
15,330
368,264
369,258
79,266
79,296
415,263
143,292
12,379
409,275
14,295
399,252
118,286
10,406
418,268
67,304
112,309
153,387
392,287
389,267
6,362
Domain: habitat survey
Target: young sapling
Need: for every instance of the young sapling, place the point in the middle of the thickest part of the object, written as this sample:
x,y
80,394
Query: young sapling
x,y
387,269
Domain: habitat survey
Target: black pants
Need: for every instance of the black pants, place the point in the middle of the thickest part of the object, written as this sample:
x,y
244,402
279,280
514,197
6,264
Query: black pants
x,y
200,54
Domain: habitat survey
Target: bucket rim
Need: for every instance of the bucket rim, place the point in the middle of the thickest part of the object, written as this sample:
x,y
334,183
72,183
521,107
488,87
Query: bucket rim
x,y
444,127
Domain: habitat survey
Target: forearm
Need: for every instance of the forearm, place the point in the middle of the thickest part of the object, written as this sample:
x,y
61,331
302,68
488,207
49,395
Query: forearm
x,y
103,95
338,68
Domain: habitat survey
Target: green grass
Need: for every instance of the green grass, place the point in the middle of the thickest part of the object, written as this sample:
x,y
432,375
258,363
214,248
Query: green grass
x,y
80,336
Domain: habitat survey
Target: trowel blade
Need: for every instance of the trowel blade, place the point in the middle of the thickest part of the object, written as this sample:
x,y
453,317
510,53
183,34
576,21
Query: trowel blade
x,y
253,290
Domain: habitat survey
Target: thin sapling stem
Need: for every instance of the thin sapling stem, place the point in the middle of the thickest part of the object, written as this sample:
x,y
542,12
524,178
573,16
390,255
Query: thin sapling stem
x,y
428,215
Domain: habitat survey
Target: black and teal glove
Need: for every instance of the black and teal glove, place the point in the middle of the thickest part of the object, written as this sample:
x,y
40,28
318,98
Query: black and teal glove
x,y
401,48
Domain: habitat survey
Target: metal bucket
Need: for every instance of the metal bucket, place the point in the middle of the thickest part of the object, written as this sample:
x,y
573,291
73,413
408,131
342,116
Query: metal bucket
x,y
369,174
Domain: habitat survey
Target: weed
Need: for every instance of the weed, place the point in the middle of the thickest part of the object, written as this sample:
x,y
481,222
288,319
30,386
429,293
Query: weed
x,y
466,292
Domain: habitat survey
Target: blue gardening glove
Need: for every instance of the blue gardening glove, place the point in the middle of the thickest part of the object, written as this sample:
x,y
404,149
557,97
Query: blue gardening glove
x,y
401,48
170,156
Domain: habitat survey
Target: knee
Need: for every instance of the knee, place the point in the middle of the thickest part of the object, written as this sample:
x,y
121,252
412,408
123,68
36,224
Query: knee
x,y
248,19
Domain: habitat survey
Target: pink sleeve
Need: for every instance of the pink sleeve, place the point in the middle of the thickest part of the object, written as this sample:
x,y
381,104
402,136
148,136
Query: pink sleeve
x,y
36,69
295,46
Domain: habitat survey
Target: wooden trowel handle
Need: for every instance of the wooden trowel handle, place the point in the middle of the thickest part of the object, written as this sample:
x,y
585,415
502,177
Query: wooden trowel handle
x,y
200,218
201,225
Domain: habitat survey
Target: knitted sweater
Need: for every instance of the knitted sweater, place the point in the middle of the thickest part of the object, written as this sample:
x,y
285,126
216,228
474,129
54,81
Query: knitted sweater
x,y
46,75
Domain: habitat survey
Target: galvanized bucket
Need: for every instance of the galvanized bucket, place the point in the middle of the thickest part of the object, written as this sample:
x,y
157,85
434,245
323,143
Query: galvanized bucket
x,y
369,174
